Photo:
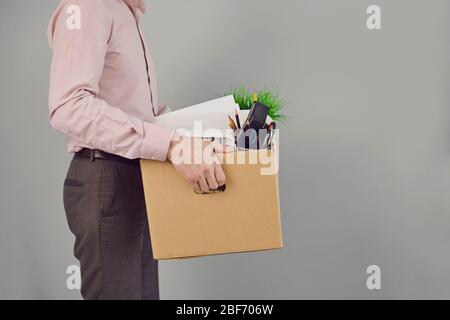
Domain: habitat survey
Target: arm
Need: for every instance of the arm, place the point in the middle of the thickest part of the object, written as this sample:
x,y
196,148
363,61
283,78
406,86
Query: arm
x,y
75,109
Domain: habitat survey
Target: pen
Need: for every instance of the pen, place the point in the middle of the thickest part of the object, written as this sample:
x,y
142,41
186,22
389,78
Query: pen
x,y
272,128
238,121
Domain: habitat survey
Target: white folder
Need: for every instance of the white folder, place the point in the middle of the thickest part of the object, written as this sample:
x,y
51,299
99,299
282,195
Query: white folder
x,y
209,115
223,104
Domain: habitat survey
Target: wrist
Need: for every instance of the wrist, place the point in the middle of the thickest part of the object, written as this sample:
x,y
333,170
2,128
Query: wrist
x,y
176,139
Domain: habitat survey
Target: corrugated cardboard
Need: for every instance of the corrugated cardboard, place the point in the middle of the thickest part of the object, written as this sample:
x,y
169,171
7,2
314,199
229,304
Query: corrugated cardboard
x,y
246,217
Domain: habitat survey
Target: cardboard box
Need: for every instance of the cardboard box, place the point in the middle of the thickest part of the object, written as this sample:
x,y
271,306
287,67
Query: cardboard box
x,y
245,217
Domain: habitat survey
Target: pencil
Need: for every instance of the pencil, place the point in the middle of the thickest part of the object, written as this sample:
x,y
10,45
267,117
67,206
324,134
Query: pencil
x,y
231,123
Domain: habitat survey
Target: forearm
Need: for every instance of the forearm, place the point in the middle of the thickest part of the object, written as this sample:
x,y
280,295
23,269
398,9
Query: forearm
x,y
93,122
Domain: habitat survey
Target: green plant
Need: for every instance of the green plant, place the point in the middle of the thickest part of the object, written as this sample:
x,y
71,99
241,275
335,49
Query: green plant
x,y
245,100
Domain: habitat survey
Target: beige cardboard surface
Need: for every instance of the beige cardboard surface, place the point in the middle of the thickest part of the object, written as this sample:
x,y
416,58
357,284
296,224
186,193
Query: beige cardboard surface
x,y
246,217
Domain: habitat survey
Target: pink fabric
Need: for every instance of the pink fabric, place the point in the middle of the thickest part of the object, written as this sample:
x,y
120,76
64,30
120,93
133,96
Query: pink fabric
x,y
103,92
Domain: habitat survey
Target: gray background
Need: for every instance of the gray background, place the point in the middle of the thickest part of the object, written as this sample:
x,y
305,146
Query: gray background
x,y
365,160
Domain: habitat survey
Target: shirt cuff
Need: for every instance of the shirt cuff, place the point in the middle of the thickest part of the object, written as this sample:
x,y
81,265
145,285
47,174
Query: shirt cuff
x,y
156,142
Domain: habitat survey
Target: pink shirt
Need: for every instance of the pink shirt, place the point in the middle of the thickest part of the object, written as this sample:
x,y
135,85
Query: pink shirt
x,y
103,92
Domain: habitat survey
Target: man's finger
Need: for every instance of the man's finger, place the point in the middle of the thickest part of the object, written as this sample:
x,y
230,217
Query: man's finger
x,y
195,186
220,175
211,179
203,185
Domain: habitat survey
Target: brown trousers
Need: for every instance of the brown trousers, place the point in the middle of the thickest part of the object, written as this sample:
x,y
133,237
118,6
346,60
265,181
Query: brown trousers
x,y
105,208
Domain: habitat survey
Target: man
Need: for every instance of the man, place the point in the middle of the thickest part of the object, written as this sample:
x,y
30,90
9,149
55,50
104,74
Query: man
x,y
103,97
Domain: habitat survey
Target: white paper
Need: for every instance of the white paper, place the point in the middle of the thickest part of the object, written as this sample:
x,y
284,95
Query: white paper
x,y
207,119
206,116
223,104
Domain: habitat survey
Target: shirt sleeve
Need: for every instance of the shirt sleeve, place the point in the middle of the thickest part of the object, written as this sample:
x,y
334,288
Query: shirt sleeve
x,y
79,51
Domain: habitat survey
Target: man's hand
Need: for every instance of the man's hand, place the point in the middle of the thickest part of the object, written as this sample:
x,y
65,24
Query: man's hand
x,y
196,161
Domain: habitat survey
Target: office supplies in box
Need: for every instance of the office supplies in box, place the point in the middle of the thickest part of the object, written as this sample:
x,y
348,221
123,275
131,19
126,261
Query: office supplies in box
x,y
243,217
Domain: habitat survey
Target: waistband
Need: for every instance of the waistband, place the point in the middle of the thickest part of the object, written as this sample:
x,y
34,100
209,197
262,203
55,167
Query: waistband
x,y
94,154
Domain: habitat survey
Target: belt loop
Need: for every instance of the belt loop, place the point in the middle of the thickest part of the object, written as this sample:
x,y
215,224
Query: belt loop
x,y
92,155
